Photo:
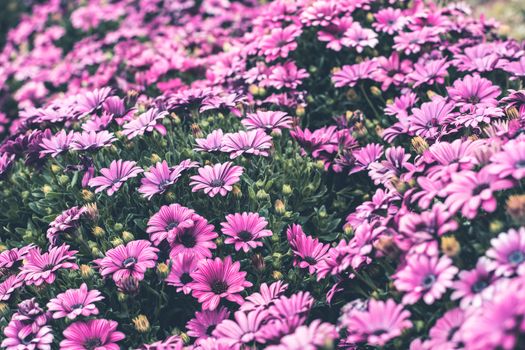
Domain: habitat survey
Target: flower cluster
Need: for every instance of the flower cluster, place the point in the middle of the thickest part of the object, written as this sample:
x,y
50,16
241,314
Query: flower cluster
x,y
307,174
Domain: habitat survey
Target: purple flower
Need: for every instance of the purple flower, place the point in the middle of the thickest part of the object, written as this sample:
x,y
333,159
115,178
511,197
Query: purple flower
x,y
205,322
244,230
286,75
195,239
21,336
308,251
429,120
473,91
510,161
425,277
182,265
216,179
146,122
445,333
9,285
64,223
56,144
254,142
268,121
212,142
280,42
92,334
75,302
429,72
244,330
113,177
507,253
92,140
168,221
360,38
158,178
474,286
390,20
42,267
350,75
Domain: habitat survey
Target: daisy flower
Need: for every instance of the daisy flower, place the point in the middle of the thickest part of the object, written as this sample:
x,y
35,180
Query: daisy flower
x,y
333,34
314,336
474,286
182,265
212,142
10,285
56,144
168,221
204,322
349,75
42,267
265,297
445,333
360,38
428,120
146,122
243,330
92,334
75,302
308,251
216,179
158,178
280,42
113,177
268,121
218,279
390,20
473,91
510,161
64,223
244,230
507,253
425,277
18,336
92,140
196,239
254,142
469,190
91,100
378,324
286,75
130,260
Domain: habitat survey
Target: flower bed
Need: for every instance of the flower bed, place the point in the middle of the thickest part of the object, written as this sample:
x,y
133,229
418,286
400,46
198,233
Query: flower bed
x,y
232,175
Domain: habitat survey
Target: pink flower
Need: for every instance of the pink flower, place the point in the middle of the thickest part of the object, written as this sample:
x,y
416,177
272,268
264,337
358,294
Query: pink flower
x,y
113,177
92,140
244,330
380,322
6,160
182,265
265,297
510,161
204,322
132,259
75,302
390,20
56,144
469,190
360,38
19,336
216,179
168,221
516,68
473,91
158,178
64,223
428,120
425,277
334,33
9,285
350,75
196,239
218,279
474,286
280,42
507,253
146,122
268,121
391,70
445,333
12,257
39,268
244,230
308,252
311,337
212,143
429,72
254,142
92,334
286,75
91,100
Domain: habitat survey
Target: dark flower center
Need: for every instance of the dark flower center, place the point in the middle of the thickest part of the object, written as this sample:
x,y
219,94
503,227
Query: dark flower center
x,y
164,184
92,343
217,183
429,280
210,329
379,332
27,340
479,286
474,100
520,164
185,278
451,333
129,262
188,240
219,287
516,257
245,236
172,225
76,306
480,189
310,260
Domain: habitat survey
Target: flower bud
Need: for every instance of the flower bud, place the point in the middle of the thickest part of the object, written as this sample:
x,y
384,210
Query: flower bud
x,y
63,180
47,189
91,211
86,271
3,247
419,144
185,338
163,270
261,194
141,324
516,208
287,189
87,195
236,191
496,226
196,130
155,158
512,113
279,207
176,119
95,252
127,236
117,241
450,246
98,231
253,89
347,229
375,91
277,275
55,168
118,227
300,111
258,262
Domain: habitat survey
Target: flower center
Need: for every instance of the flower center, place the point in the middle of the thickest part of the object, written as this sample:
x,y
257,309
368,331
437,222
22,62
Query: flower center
x,y
310,260
379,332
451,333
92,343
428,281
129,262
76,306
171,225
217,183
479,286
27,340
187,240
473,99
516,257
185,278
480,189
245,236
210,329
520,164
219,287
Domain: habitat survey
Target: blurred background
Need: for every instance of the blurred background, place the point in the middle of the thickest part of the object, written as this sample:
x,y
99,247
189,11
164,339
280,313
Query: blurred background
x,y
510,13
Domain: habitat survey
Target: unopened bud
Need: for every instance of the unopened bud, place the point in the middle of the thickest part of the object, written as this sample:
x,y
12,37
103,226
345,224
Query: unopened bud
x,y
419,144
450,246
277,275
127,236
98,231
300,111
279,207
55,168
496,226
86,271
163,270
141,324
87,195
516,208
155,158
